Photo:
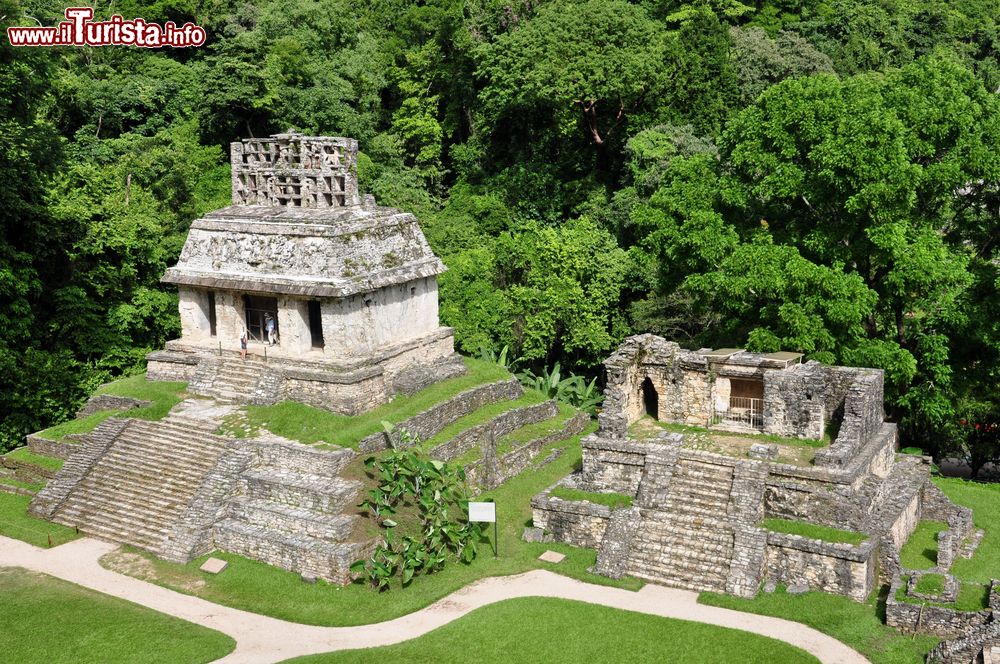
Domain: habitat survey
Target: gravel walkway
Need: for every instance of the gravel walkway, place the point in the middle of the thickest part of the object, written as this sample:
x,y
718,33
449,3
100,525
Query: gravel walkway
x,y
264,640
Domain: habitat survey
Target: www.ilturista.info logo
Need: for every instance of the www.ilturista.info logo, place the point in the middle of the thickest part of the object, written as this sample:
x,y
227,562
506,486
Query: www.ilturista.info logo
x,y
79,30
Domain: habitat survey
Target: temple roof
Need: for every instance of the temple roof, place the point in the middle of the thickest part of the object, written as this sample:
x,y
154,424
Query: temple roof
x,y
312,252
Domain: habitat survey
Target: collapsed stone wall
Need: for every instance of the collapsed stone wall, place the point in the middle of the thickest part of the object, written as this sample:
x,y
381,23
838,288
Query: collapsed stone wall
x,y
863,416
967,647
109,402
927,618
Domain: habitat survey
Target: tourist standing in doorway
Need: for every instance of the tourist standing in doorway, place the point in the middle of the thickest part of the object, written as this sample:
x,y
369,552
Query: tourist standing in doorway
x,y
271,328
243,343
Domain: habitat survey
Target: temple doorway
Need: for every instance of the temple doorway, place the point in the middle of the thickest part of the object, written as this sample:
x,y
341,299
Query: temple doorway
x,y
258,310
650,399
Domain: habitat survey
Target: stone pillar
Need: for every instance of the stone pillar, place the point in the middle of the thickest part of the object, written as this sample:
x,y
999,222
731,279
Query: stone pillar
x,y
293,325
230,318
194,314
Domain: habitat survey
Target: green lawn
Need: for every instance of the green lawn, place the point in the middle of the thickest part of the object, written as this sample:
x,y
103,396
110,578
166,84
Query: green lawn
x,y
920,551
540,629
164,395
310,425
49,621
930,584
263,589
15,522
813,531
858,625
27,456
612,500
984,499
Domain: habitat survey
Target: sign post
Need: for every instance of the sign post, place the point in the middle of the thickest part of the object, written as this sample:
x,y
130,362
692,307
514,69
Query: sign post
x,y
486,513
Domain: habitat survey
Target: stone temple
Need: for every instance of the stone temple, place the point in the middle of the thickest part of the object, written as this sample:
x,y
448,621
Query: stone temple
x,y
701,489
351,287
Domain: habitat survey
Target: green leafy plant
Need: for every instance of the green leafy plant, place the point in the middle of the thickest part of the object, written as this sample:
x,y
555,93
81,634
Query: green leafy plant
x,y
502,358
573,389
441,496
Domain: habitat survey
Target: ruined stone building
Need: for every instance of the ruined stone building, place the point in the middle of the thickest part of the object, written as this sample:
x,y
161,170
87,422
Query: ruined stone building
x,y
351,286
700,492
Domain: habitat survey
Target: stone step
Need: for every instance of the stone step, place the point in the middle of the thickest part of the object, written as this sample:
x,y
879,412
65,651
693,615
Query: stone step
x,y
140,488
711,584
693,506
136,520
713,532
203,426
681,549
292,520
171,431
136,537
124,488
657,563
304,555
154,451
314,492
168,440
702,474
151,452
148,484
695,485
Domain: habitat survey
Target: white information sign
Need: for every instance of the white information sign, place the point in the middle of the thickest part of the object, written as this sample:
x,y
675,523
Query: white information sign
x,y
483,512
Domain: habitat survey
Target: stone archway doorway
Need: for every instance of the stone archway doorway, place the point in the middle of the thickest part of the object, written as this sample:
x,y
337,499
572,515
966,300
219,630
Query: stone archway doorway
x,y
650,399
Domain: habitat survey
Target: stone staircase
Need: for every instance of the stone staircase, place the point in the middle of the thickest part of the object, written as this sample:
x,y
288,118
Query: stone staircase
x,y
686,539
231,380
295,513
138,490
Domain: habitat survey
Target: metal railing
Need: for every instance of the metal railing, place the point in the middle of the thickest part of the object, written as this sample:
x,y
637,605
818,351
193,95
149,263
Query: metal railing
x,y
744,411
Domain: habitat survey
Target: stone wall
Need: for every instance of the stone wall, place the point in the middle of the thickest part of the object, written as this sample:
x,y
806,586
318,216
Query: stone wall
x,y
428,423
26,470
844,569
488,433
350,394
576,522
170,366
863,417
492,470
926,618
966,648
51,448
109,402
613,465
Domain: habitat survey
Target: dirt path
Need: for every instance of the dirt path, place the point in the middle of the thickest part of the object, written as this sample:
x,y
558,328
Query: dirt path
x,y
264,640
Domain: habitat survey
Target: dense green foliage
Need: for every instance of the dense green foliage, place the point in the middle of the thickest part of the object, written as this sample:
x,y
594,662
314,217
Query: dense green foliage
x,y
817,177
439,493
95,627
544,629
